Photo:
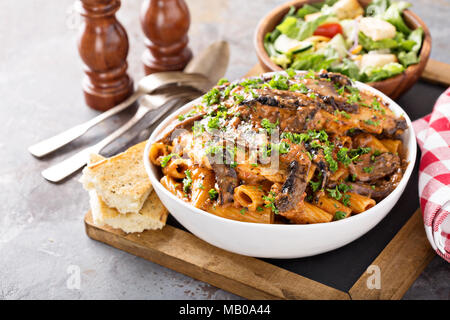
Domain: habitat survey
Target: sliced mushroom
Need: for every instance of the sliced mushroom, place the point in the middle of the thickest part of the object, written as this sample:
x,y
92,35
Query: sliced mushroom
x,y
370,167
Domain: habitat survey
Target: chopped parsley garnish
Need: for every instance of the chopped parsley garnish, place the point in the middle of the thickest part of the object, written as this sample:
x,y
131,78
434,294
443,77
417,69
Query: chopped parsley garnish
x,y
238,98
356,153
291,72
167,158
321,135
296,138
368,169
375,154
340,90
370,122
259,209
282,148
332,164
315,185
279,82
343,157
197,129
222,81
252,83
300,87
213,150
213,122
337,192
212,97
243,210
189,114
344,188
270,199
339,215
376,106
269,126
310,75
346,200
187,181
213,194
354,96
226,92
342,113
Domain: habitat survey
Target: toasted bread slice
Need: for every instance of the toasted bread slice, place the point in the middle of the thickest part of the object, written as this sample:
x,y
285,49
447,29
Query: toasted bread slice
x,y
120,181
152,216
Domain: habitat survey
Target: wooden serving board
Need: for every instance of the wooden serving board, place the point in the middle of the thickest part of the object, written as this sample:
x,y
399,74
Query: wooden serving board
x,y
397,246
400,263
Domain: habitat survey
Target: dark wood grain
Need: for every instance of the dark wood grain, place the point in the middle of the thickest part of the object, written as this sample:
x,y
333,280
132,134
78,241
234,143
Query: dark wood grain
x,y
165,24
393,87
103,47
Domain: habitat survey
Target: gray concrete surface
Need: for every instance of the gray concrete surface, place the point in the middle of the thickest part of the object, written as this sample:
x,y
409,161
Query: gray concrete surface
x,y
42,239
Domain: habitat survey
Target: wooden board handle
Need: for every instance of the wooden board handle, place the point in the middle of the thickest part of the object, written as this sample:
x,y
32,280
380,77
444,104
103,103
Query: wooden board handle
x,y
437,72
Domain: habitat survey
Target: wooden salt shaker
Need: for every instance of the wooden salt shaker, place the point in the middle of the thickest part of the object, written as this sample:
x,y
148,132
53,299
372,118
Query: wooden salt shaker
x,y
165,24
103,47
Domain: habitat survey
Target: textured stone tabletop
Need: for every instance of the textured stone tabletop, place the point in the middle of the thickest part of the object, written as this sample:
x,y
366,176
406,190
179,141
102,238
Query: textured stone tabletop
x,y
42,239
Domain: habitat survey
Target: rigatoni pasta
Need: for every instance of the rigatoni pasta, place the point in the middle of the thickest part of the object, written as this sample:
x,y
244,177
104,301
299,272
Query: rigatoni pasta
x,y
359,203
250,197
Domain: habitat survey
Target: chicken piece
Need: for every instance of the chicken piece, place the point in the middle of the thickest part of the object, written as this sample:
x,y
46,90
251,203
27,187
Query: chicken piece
x,y
376,29
377,60
312,16
370,167
347,9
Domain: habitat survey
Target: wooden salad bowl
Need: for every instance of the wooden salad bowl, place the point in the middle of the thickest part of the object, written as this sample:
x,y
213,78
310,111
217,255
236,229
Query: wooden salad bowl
x,y
393,87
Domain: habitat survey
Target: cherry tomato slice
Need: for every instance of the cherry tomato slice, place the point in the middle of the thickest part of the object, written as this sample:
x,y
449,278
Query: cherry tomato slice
x,y
328,30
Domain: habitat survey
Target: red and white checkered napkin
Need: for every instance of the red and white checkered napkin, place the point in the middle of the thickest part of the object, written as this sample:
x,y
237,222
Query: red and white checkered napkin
x,y
433,137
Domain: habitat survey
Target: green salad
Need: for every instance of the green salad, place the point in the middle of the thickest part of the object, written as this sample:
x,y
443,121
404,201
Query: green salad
x,y
340,36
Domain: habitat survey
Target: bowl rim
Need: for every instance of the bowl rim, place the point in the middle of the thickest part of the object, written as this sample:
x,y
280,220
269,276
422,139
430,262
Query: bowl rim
x,y
410,157
258,40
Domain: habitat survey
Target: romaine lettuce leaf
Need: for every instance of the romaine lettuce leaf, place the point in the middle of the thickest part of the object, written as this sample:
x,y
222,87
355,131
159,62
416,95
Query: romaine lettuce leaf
x,y
411,55
338,44
377,8
307,28
379,73
309,60
347,67
394,15
281,60
289,27
408,58
368,44
306,9
417,37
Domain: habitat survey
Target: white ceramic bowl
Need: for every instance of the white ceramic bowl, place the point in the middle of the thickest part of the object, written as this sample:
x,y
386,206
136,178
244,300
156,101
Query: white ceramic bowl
x,y
277,240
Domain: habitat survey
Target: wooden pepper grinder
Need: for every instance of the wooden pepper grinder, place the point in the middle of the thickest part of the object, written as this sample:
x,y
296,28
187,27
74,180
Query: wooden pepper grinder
x,y
165,24
103,47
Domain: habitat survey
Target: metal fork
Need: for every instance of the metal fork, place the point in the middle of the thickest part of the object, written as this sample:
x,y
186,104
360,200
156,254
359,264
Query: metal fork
x,y
146,85
155,103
